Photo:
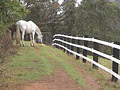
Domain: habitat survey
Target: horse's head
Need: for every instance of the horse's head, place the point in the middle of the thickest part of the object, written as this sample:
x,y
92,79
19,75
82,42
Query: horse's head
x,y
39,38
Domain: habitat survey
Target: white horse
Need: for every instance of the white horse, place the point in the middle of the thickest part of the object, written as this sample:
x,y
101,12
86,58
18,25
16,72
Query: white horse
x,y
27,28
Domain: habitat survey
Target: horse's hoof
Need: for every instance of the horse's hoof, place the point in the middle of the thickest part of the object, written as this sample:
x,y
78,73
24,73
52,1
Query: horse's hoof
x,y
20,44
31,44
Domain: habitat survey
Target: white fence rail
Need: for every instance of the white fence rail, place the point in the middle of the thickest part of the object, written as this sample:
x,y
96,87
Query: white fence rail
x,y
92,40
59,42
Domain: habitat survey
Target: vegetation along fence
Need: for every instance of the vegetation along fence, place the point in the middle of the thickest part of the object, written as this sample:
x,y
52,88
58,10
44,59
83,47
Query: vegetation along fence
x,y
79,47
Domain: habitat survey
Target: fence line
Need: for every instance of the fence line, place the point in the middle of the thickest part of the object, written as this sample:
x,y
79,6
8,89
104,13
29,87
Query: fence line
x,y
90,60
65,44
92,40
92,50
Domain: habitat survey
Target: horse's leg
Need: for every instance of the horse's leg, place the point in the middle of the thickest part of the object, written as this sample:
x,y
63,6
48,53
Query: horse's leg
x,y
31,39
41,40
23,33
33,36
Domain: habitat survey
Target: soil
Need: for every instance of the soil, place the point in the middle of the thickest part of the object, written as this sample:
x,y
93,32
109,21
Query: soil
x,y
60,80
57,81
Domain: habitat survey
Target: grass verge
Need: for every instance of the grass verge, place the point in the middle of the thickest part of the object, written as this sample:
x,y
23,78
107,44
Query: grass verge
x,y
103,77
62,60
28,65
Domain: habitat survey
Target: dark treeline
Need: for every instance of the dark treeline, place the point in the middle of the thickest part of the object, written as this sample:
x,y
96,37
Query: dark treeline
x,y
98,18
95,18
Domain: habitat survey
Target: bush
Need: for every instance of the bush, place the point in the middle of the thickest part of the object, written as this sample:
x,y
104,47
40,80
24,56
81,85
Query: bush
x,y
6,46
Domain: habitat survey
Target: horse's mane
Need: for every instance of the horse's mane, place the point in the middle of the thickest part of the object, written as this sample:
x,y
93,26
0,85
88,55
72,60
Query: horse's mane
x,y
38,31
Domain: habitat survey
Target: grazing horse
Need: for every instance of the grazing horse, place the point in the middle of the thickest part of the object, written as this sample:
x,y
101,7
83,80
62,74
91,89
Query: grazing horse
x,y
27,28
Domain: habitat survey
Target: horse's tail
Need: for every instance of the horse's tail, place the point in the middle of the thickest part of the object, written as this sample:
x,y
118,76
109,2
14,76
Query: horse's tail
x,y
18,34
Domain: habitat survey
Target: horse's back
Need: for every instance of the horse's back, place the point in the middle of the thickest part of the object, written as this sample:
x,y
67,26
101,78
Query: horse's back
x,y
32,24
22,24
27,27
35,26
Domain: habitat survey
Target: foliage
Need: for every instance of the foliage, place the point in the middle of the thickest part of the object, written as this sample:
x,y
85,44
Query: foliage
x,y
6,47
43,13
69,12
118,1
98,18
10,11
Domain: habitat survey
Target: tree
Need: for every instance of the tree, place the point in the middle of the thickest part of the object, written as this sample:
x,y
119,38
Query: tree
x,y
69,13
118,1
98,18
45,14
10,11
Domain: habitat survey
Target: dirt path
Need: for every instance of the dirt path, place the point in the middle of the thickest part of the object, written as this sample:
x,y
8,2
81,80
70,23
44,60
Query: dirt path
x,y
57,81
60,80
92,83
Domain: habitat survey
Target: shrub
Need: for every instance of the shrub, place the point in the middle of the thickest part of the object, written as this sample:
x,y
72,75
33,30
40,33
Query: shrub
x,y
6,46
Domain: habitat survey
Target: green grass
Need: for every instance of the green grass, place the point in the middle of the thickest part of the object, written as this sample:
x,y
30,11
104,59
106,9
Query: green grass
x,y
27,65
62,59
103,77
32,63
105,62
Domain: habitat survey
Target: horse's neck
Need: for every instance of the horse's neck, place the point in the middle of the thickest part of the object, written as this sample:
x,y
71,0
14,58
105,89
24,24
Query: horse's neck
x,y
38,32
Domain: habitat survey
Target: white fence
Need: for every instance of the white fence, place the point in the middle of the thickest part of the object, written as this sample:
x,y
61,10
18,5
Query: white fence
x,y
65,42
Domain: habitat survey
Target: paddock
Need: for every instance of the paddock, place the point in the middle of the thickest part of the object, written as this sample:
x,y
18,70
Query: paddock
x,y
68,43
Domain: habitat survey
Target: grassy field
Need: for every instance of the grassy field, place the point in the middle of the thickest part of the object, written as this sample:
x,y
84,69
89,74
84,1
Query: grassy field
x,y
103,77
32,63
27,65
